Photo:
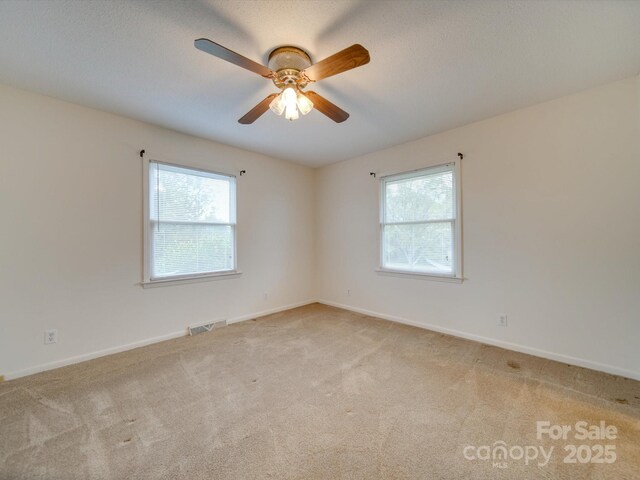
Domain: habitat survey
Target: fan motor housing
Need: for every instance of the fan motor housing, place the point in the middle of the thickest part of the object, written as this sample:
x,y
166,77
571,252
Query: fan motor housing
x,y
288,62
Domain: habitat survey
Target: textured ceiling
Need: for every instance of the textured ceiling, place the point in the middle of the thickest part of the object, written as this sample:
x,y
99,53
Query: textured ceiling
x,y
434,65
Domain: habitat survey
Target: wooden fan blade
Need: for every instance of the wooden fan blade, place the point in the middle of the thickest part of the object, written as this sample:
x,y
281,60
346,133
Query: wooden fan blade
x,y
255,113
326,107
351,57
230,56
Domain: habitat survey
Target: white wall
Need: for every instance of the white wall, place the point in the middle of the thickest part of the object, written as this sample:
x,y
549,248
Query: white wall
x,y
71,234
551,233
551,203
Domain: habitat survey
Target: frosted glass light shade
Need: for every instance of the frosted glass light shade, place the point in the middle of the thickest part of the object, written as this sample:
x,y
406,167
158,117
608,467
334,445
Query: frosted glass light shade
x,y
289,97
304,104
277,105
291,113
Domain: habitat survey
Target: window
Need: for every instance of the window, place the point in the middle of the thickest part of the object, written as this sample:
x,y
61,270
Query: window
x,y
419,227
191,223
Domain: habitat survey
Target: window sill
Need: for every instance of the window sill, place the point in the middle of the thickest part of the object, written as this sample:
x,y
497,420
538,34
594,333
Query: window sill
x,y
421,276
193,279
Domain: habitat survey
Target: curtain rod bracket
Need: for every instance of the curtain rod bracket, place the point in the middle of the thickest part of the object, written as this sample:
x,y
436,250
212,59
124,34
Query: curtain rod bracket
x,y
242,172
373,174
460,155
141,153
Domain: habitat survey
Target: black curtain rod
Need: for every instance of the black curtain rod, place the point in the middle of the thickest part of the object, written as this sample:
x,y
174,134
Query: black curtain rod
x,y
373,174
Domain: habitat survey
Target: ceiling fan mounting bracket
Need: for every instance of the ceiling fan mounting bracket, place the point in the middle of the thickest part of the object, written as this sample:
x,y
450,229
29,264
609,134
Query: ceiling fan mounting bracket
x,y
288,63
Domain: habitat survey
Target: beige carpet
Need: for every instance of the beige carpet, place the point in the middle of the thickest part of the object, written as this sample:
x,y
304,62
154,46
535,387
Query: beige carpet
x,y
317,393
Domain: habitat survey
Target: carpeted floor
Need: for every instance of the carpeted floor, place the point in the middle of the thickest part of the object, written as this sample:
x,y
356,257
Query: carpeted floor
x,y
313,393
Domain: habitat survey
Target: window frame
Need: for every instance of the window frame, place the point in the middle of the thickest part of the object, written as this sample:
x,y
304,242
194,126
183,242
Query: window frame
x,y
457,274
148,280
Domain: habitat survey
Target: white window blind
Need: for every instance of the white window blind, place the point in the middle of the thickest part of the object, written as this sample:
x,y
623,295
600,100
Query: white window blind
x,y
192,222
419,222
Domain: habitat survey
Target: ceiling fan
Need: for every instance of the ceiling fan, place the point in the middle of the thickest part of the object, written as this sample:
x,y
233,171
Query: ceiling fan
x,y
291,71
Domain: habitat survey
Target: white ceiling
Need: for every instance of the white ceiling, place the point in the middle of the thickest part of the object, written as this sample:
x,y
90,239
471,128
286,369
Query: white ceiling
x,y
434,65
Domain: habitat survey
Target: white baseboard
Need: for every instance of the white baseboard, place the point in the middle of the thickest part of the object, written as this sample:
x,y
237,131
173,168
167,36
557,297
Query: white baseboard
x,y
88,356
559,357
141,343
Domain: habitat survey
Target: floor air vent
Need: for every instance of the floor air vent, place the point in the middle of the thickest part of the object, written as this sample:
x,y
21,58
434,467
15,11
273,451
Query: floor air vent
x,y
207,327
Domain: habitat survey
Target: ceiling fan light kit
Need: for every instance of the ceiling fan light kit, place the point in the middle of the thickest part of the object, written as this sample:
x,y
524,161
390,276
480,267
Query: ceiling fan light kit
x,y
290,69
291,101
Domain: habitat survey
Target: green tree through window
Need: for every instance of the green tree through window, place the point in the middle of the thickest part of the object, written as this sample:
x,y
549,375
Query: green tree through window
x,y
418,221
192,221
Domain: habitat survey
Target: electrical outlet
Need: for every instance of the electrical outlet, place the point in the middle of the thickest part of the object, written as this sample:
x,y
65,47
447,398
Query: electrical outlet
x,y
50,336
502,320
